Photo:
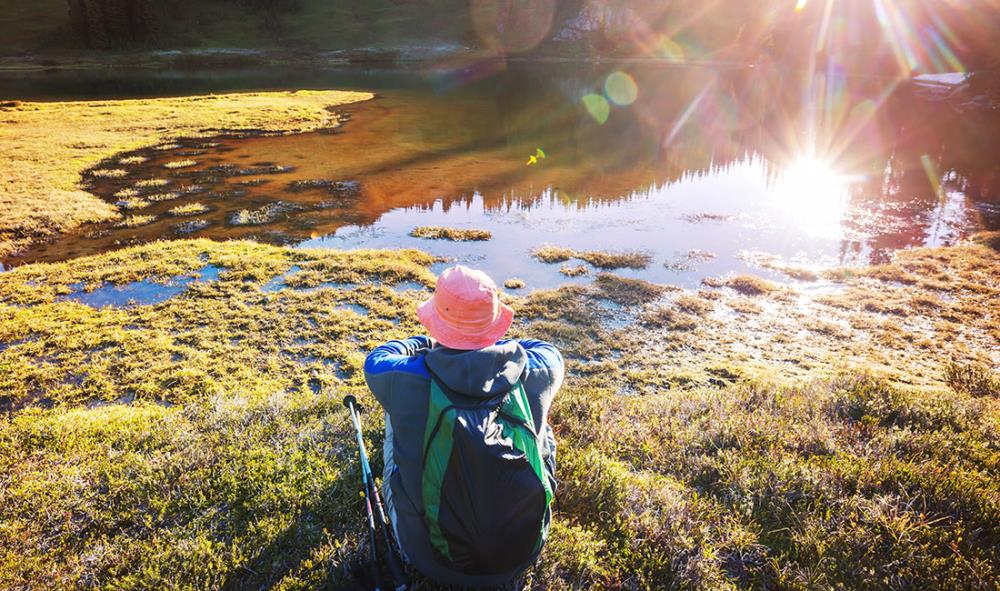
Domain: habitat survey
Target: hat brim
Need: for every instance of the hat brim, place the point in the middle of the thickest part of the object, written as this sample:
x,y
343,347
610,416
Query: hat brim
x,y
453,338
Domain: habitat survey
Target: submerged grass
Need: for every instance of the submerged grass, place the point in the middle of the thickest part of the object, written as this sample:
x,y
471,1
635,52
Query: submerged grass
x,y
200,442
47,146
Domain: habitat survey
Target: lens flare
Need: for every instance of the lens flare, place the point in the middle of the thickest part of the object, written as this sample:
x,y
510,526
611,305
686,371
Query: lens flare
x,y
620,89
512,27
669,49
597,106
932,175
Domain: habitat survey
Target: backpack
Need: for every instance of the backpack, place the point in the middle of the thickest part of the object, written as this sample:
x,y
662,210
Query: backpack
x,y
486,490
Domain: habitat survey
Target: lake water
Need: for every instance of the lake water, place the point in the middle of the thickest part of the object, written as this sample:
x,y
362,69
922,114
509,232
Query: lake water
x,y
708,170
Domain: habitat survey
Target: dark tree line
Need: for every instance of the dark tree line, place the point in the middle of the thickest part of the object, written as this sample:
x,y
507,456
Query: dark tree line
x,y
112,23
724,31
104,24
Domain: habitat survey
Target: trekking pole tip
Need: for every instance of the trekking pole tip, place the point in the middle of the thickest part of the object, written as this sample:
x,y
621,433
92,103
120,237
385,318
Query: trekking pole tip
x,y
350,401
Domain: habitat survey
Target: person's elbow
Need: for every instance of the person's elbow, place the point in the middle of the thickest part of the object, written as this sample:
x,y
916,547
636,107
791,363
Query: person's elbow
x,y
542,355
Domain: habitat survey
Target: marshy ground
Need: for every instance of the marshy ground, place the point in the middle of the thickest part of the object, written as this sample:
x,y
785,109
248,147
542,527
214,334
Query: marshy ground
x,y
731,437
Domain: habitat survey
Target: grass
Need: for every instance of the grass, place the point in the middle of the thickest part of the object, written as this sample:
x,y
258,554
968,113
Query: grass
x,y
774,263
48,146
453,234
180,164
750,285
151,183
109,173
201,443
625,291
126,193
133,203
514,283
598,258
168,196
165,352
759,485
553,254
973,379
616,260
576,271
134,221
670,319
260,216
188,209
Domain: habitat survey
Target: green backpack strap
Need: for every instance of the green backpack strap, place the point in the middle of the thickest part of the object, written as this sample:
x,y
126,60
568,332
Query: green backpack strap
x,y
437,452
519,426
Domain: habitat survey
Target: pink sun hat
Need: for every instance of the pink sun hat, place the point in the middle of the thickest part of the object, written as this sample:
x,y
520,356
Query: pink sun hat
x,y
465,311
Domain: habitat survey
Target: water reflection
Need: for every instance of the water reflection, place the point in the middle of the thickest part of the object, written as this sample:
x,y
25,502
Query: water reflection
x,y
678,160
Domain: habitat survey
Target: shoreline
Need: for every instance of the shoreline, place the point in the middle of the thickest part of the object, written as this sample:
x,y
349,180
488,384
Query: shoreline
x,y
231,57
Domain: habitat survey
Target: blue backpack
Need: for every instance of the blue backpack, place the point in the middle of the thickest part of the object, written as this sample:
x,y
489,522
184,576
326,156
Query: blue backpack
x,y
487,492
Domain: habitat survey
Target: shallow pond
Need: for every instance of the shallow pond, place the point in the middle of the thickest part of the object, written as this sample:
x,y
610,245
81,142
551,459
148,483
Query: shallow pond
x,y
707,170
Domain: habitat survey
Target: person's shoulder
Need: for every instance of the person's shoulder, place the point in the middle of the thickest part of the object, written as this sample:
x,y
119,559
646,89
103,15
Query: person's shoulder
x,y
406,356
541,355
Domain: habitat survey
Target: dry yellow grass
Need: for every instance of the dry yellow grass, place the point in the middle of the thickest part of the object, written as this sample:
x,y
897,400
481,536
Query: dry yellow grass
x,y
46,147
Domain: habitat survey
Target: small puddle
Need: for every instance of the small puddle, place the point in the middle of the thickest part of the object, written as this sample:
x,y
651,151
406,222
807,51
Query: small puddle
x,y
278,283
138,293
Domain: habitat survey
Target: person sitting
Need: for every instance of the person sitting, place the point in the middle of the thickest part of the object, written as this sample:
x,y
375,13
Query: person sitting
x,y
470,459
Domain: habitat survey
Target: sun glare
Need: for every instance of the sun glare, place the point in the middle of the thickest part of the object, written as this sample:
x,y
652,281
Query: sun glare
x,y
813,194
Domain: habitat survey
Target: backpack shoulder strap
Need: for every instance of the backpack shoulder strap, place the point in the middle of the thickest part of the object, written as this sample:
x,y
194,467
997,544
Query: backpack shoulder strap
x,y
437,451
519,425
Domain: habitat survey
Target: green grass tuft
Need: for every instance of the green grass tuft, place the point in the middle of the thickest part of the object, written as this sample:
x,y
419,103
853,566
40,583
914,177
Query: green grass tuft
x,y
453,234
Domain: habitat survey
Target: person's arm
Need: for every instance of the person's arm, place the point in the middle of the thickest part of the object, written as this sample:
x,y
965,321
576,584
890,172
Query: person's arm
x,y
395,356
544,373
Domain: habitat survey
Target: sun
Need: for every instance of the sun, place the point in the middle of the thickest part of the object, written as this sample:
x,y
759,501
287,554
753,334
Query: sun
x,y
813,194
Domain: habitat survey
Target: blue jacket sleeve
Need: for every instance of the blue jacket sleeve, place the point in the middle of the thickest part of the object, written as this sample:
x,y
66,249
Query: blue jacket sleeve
x,y
542,355
383,363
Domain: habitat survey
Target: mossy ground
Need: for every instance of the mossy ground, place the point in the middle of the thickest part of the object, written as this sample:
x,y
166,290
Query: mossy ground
x,y
812,440
47,146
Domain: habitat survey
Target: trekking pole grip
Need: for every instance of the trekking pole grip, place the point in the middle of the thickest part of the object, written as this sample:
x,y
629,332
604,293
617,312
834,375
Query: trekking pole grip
x,y
351,403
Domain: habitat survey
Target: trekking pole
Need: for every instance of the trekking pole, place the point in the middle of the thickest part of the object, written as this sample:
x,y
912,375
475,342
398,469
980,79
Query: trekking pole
x,y
371,492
